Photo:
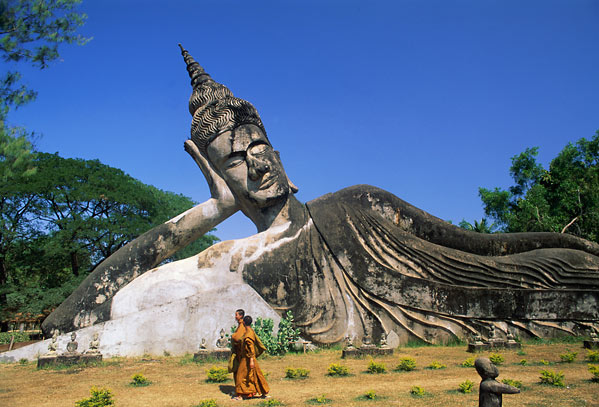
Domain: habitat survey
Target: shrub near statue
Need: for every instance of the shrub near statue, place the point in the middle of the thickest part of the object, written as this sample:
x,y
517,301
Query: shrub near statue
x,y
358,262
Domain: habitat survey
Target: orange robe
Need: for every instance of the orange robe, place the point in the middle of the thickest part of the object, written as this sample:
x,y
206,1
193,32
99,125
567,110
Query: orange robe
x,y
236,341
249,381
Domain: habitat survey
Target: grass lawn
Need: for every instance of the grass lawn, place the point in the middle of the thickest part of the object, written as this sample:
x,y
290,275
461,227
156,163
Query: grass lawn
x,y
177,381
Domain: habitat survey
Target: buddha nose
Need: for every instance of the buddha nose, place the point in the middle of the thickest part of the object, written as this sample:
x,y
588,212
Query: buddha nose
x,y
257,168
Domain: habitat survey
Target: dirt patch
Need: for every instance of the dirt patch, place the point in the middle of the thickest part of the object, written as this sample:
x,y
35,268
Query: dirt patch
x,y
178,382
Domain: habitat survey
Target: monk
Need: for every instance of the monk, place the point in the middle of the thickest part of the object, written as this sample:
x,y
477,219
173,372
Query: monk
x,y
236,341
249,380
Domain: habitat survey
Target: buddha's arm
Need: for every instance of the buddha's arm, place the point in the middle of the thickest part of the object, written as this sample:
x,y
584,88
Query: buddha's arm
x,y
435,230
90,302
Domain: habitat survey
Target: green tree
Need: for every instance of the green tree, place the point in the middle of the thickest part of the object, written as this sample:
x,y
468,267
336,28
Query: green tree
x,y
77,213
30,32
562,199
480,227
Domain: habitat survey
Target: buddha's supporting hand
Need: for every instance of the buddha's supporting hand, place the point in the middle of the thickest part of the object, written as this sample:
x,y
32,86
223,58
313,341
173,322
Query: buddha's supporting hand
x,y
218,188
91,302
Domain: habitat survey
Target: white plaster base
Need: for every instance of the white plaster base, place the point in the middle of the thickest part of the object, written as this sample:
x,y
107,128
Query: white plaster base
x,y
176,327
173,307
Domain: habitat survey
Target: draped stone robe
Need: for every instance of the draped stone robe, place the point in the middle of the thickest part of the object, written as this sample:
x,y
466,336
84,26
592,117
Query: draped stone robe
x,y
366,262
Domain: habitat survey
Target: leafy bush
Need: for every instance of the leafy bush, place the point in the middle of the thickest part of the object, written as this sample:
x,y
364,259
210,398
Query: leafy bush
x,y
593,355
19,337
217,374
207,403
523,362
544,362
375,367
568,357
299,373
320,400
280,344
466,387
370,395
336,369
99,398
23,361
436,365
139,380
406,365
468,362
515,383
496,359
271,403
417,391
552,378
594,369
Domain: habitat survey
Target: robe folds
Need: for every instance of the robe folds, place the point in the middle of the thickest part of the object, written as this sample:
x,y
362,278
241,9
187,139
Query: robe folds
x,y
236,343
364,262
249,381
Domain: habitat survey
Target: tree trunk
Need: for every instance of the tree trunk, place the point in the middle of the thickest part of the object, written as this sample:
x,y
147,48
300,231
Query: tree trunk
x,y
3,298
75,263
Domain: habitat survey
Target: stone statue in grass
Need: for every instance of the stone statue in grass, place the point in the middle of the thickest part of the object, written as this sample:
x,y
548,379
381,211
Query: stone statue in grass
x,y
491,391
357,262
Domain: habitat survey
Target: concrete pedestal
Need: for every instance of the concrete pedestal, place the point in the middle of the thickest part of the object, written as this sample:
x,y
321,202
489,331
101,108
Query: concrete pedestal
x,y
362,352
68,360
494,345
205,354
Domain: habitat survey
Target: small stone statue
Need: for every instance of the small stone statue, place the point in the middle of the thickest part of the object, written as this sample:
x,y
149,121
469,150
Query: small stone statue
x,y
367,342
490,392
94,345
222,342
349,344
477,339
510,338
384,341
72,345
203,344
492,334
53,345
593,335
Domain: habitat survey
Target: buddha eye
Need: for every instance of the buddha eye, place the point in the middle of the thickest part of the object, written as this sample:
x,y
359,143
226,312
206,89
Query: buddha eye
x,y
234,161
258,149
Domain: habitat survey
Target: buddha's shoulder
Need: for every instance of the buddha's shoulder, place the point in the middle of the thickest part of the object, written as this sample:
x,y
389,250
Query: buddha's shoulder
x,y
363,195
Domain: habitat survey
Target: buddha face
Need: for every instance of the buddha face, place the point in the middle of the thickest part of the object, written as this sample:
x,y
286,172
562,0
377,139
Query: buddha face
x,y
251,168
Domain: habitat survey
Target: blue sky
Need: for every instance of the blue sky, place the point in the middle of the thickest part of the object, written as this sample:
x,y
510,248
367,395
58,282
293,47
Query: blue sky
x,y
425,99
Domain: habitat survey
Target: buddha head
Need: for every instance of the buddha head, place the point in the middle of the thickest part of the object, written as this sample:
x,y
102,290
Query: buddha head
x,y
229,133
485,368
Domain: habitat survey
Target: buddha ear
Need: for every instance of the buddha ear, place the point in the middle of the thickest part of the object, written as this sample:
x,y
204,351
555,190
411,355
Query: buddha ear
x,y
292,186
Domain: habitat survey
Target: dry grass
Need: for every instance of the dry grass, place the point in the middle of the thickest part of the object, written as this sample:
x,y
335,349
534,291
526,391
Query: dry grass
x,y
183,384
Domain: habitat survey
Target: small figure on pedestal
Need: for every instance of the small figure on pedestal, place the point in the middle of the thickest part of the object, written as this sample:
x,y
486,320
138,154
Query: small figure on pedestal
x,y
367,342
203,344
53,345
222,342
384,341
72,345
593,342
349,344
94,345
490,392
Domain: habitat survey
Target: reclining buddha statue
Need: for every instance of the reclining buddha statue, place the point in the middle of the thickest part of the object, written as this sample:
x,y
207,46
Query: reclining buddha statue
x,y
357,262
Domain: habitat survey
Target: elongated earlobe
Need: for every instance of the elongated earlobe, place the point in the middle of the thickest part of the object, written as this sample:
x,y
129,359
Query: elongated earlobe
x,y
292,186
